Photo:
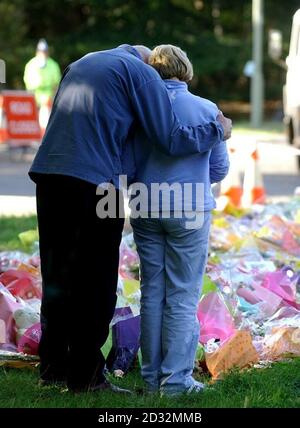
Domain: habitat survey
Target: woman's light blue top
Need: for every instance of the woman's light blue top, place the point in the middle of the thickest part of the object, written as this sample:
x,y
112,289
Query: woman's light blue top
x,y
147,164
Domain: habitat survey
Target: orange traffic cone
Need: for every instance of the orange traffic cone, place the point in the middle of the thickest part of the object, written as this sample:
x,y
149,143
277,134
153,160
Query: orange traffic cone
x,y
253,187
231,185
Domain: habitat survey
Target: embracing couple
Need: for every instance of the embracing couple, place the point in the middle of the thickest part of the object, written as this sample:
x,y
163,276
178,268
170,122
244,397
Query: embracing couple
x,y
126,111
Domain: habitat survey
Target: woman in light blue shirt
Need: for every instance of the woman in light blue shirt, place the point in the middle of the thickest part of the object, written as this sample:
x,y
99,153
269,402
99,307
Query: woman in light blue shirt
x,y
171,231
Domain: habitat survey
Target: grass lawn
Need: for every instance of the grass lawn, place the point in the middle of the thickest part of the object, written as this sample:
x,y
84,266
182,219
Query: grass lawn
x,y
10,227
277,386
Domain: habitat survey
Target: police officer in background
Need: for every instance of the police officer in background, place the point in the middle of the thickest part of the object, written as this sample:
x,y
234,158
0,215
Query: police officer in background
x,y
42,76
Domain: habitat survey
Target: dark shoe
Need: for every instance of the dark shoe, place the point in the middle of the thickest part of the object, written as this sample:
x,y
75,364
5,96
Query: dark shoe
x,y
104,386
52,382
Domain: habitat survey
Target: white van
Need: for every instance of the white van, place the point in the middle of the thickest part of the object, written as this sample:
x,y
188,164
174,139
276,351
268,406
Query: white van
x,y
291,90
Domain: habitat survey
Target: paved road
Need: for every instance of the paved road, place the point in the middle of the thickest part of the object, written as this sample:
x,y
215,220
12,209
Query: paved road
x,y
14,179
278,164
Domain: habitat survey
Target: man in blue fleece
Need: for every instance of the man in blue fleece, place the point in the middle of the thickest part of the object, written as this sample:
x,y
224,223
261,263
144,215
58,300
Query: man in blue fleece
x,y
100,101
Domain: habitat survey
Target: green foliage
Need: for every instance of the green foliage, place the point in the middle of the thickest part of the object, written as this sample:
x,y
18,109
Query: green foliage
x,y
215,33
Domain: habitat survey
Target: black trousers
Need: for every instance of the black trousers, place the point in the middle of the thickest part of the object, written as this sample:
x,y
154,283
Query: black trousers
x,y
79,264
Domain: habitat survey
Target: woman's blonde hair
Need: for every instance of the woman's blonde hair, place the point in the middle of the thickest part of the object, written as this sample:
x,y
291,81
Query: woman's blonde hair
x,y
171,61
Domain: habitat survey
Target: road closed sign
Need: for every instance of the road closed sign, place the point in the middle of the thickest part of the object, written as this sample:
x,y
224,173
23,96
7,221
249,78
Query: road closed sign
x,y
21,114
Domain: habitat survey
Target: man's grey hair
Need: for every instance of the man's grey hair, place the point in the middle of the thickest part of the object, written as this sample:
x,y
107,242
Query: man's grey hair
x,y
144,52
171,61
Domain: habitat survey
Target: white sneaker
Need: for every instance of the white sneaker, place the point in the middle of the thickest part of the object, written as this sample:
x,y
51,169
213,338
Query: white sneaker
x,y
196,387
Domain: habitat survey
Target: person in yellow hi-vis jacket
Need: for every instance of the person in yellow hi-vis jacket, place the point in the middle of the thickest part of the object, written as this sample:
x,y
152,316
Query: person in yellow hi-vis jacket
x,y
42,76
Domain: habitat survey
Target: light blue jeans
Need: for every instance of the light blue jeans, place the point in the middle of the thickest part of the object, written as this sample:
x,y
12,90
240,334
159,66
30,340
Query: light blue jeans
x,y
173,260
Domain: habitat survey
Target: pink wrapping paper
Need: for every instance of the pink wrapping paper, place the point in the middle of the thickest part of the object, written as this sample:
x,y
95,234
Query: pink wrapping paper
x,y
215,319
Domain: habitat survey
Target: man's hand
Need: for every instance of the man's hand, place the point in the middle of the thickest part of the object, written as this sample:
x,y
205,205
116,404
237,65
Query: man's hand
x,y
226,124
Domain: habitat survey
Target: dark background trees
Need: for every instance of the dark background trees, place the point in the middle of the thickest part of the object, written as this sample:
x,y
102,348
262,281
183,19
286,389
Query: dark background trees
x,y
215,33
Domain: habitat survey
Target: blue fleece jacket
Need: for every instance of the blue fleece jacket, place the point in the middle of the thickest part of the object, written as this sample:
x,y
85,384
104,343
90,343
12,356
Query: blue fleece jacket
x,y
100,101
151,166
